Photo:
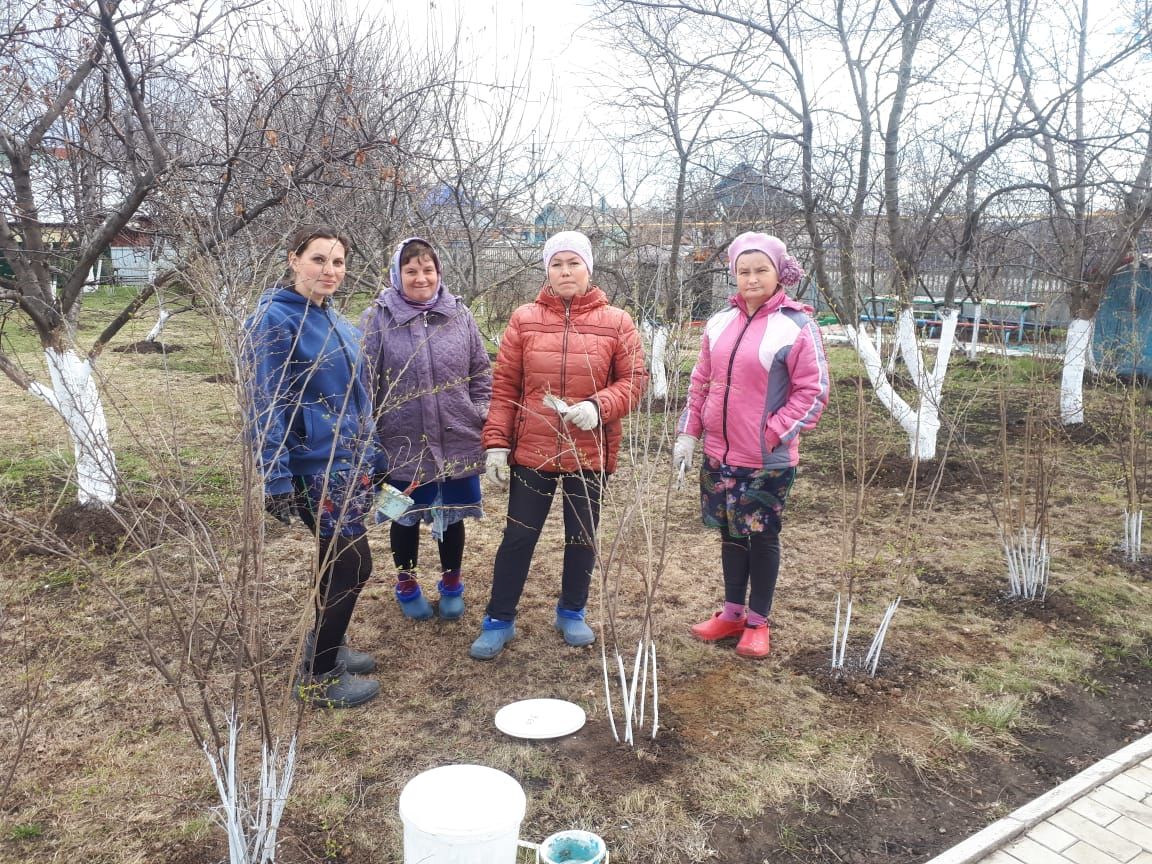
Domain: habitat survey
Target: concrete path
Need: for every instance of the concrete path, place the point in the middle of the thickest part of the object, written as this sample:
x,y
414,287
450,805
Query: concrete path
x,y
1103,815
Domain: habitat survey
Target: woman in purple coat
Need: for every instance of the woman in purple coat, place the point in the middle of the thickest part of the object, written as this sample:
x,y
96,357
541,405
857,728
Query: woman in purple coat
x,y
431,382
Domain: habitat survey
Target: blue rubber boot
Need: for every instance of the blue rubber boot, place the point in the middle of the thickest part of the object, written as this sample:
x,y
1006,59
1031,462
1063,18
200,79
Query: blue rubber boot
x,y
494,635
451,601
413,604
570,622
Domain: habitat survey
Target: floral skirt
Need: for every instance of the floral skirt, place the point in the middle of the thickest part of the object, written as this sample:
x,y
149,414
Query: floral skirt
x,y
442,504
743,501
336,503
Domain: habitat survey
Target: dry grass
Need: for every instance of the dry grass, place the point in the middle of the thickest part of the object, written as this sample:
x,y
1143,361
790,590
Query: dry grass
x,y
111,773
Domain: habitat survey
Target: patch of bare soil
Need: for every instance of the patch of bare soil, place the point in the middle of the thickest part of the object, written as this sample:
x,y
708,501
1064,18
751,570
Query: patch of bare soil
x,y
896,472
1141,568
146,347
221,378
923,813
94,529
895,675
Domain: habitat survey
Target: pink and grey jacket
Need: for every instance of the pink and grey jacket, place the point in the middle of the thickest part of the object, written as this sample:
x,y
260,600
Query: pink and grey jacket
x,y
759,382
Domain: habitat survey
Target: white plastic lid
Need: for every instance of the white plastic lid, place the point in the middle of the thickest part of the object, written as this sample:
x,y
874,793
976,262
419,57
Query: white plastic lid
x,y
462,800
540,718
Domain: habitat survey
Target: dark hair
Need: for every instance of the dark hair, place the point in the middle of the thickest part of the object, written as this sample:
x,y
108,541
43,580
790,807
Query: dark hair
x,y
418,249
301,237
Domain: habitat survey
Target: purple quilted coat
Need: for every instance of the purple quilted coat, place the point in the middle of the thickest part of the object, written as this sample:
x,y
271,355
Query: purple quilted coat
x,y
431,382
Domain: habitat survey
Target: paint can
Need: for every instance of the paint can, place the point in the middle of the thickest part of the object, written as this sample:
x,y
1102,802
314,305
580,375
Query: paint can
x,y
461,814
391,503
573,847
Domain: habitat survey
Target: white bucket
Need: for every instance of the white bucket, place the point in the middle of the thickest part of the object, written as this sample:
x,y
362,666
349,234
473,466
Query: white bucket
x,y
391,503
573,847
461,814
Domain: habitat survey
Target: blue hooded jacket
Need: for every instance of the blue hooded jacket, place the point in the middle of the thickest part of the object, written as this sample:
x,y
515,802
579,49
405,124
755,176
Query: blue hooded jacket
x,y
309,411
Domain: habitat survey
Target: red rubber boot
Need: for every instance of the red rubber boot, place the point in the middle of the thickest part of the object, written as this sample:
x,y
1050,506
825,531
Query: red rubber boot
x,y
715,628
756,642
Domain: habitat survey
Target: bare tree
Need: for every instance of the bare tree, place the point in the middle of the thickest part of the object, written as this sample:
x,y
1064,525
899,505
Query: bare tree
x,y
1094,160
77,92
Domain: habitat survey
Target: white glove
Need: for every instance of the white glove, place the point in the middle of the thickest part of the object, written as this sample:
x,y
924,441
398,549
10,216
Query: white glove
x,y
682,452
583,415
496,467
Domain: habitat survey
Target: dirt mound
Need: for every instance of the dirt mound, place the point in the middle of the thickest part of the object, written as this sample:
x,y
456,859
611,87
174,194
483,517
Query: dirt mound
x,y
88,528
146,347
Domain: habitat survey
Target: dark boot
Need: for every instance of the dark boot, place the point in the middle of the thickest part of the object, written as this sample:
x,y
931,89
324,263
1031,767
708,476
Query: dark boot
x,y
356,662
337,689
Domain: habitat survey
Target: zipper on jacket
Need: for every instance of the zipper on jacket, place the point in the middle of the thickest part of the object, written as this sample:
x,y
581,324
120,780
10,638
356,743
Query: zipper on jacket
x,y
728,381
564,379
353,377
440,426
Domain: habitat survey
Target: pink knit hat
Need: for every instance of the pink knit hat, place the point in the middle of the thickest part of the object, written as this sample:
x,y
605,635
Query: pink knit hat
x,y
787,268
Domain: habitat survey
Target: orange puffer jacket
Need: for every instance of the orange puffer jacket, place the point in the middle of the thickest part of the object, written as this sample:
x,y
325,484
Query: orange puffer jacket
x,y
586,350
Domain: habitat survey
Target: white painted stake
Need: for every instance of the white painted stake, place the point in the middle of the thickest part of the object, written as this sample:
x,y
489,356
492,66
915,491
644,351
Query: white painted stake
x,y
643,684
836,633
627,707
630,694
844,641
881,633
655,692
608,691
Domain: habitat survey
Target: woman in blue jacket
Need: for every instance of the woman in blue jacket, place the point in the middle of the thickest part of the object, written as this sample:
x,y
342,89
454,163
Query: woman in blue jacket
x,y
315,439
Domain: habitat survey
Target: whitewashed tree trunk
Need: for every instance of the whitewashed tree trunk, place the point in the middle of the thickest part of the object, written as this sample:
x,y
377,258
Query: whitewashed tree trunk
x,y
1076,349
659,383
975,331
922,424
158,327
1090,362
1133,531
76,398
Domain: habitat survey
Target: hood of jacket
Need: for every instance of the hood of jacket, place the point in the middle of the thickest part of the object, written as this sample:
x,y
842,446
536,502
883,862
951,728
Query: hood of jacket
x,y
401,311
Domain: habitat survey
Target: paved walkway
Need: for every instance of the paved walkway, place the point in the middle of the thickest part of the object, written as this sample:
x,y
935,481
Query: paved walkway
x,y
1103,815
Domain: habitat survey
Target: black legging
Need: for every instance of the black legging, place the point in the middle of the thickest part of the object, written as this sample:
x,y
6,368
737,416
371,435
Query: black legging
x,y
406,546
345,567
529,500
753,559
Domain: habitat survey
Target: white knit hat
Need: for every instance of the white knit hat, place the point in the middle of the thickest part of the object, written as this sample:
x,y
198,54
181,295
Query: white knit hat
x,y
569,241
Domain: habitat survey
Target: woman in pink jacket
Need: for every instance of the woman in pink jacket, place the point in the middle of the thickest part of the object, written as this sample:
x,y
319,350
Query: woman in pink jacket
x,y
760,380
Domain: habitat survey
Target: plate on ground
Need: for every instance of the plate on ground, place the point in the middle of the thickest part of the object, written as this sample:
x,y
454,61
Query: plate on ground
x,y
540,718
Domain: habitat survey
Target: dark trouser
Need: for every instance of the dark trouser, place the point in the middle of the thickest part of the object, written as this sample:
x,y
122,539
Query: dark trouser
x,y
406,546
754,560
345,566
529,500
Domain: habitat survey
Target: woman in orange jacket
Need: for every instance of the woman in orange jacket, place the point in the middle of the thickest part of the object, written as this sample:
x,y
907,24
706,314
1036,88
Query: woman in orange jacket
x,y
570,368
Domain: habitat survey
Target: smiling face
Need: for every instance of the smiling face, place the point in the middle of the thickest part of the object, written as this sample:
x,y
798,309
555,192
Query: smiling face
x,y
568,275
318,268
419,278
756,279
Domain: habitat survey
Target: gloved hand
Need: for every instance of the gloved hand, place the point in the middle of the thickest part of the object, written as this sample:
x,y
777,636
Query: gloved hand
x,y
583,415
496,466
280,506
682,452
379,478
